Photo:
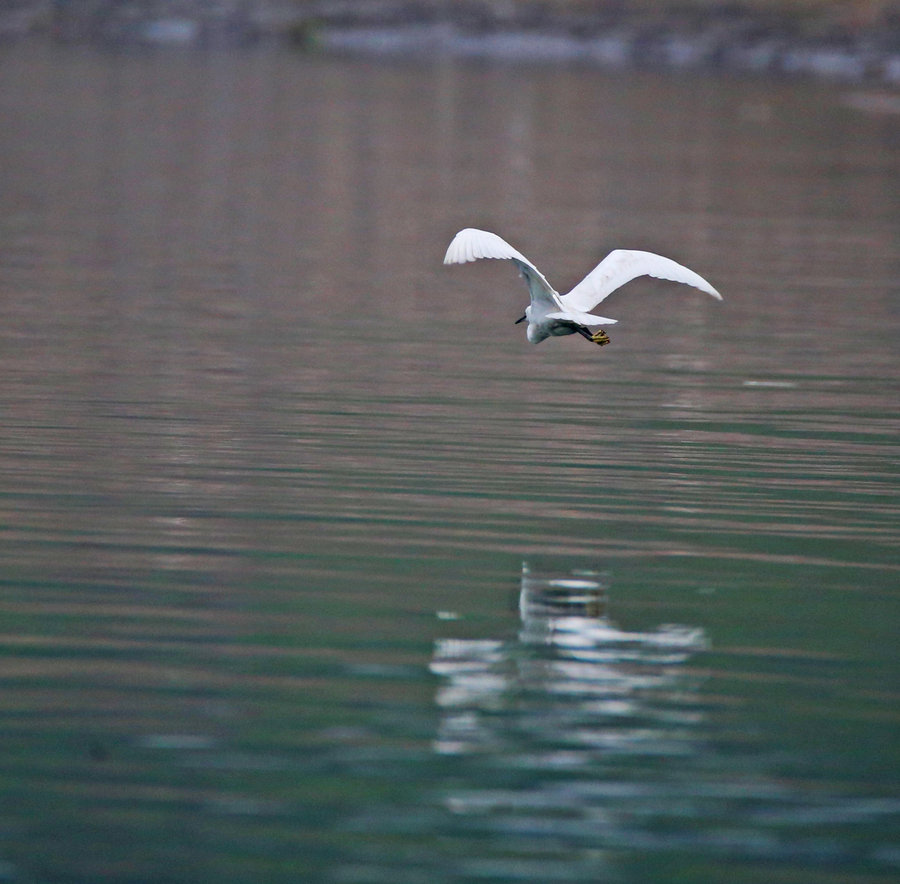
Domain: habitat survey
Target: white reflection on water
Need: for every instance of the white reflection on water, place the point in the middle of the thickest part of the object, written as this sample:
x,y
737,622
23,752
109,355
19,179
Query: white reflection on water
x,y
574,682
591,739
579,720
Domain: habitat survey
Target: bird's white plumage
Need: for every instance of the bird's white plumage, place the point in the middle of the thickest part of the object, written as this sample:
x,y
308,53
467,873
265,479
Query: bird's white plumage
x,y
622,266
471,244
553,314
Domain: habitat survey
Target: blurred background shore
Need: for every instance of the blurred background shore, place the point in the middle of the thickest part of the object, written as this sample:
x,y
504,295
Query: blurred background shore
x,y
855,40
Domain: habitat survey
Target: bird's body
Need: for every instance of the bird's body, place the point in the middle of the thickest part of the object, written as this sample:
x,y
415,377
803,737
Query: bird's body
x,y
550,314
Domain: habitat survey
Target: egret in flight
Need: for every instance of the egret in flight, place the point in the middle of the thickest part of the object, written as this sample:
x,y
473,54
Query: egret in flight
x,y
552,314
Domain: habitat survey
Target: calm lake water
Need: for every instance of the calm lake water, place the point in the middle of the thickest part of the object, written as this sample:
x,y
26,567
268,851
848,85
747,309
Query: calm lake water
x,y
314,570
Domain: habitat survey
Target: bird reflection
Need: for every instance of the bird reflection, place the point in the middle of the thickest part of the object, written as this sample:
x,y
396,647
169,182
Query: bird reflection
x,y
574,687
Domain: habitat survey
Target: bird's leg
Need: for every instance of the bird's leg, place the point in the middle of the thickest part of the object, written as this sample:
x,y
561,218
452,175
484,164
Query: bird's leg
x,y
598,337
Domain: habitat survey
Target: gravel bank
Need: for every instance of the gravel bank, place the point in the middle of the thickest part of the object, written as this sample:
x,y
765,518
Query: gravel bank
x,y
849,41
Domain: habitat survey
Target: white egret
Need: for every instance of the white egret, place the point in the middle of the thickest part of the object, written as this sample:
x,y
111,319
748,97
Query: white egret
x,y
550,313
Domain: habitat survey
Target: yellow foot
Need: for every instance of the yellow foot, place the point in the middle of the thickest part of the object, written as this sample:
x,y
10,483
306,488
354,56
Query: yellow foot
x,y
600,337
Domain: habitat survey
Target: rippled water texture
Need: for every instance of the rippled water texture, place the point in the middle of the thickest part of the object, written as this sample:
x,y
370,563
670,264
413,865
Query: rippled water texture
x,y
314,570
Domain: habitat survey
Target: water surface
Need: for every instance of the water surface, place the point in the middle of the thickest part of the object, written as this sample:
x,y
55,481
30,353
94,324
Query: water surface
x,y
314,569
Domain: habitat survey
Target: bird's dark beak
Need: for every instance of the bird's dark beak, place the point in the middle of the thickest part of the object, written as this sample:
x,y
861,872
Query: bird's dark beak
x,y
522,319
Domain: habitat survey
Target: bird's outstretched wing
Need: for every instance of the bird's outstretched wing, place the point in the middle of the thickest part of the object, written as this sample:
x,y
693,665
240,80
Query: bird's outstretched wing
x,y
622,266
471,244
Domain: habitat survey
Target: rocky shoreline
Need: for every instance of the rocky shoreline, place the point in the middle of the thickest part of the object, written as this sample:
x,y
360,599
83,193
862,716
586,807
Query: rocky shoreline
x,y
856,42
